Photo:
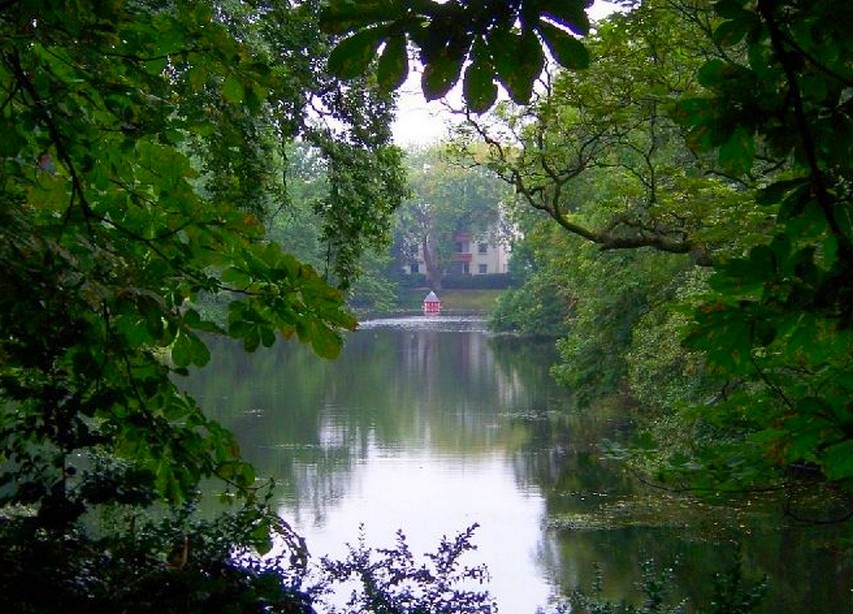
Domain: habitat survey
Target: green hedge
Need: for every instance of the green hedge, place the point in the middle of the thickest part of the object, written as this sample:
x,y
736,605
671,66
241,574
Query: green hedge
x,y
477,282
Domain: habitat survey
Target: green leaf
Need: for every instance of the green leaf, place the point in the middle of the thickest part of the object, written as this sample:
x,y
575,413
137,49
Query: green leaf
x,y
155,67
837,461
479,87
694,111
570,13
267,336
200,354
774,193
518,60
353,55
262,538
440,75
713,72
795,202
251,340
12,141
182,351
738,152
232,89
732,32
566,49
236,277
325,342
393,66
197,76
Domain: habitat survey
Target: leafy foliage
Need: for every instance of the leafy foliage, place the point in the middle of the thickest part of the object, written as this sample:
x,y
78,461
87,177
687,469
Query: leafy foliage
x,y
780,316
310,234
106,240
662,376
599,152
141,144
395,583
482,43
613,292
177,564
604,160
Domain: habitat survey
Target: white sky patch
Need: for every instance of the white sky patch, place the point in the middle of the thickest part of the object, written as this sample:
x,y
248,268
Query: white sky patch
x,y
418,122
421,123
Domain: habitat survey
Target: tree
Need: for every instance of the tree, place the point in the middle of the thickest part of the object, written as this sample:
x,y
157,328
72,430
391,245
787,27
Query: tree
x,y
299,222
141,155
599,152
540,301
450,195
779,317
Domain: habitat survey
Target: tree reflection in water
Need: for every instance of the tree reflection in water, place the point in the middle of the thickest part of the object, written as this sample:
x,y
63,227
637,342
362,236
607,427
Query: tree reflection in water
x,y
431,424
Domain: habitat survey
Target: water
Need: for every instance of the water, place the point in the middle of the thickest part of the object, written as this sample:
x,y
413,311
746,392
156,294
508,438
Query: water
x,y
429,425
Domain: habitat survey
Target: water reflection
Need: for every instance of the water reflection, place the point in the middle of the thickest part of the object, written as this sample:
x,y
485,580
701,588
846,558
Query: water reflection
x,y
420,425
430,425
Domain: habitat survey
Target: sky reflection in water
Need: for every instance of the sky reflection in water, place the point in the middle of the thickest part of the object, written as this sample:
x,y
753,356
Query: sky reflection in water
x,y
428,490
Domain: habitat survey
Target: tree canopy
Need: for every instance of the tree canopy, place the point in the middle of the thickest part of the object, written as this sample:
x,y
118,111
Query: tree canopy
x,y
144,150
601,154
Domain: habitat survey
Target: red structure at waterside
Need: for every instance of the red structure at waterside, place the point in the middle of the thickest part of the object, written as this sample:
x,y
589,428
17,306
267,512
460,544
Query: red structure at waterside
x,y
432,305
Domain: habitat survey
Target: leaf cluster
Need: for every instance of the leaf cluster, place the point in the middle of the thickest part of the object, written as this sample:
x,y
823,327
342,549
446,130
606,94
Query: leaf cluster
x,y
481,43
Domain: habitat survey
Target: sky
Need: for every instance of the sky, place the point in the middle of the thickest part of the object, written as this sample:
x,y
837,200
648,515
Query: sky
x,y
422,123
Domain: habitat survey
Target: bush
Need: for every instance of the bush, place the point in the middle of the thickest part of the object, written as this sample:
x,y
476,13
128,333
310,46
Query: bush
x,y
394,583
174,564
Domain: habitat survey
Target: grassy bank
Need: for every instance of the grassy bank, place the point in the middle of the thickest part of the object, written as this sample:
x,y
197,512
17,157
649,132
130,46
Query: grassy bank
x,y
468,301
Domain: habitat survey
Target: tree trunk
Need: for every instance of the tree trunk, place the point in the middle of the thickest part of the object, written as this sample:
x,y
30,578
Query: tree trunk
x,y
434,272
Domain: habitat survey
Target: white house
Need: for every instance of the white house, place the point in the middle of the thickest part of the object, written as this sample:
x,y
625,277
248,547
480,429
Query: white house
x,y
474,256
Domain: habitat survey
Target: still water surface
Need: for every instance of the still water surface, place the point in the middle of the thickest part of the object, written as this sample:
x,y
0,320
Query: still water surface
x,y
429,425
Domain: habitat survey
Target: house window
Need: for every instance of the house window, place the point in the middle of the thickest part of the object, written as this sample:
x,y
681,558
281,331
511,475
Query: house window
x,y
483,269
465,269
414,268
482,248
461,247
